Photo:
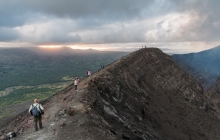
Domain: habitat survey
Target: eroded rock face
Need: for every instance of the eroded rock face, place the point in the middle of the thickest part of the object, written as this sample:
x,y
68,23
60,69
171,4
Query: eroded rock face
x,y
143,96
213,93
146,95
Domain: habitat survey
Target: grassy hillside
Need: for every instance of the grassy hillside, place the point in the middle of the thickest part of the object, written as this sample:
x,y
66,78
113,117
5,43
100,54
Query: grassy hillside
x,y
27,67
28,73
14,101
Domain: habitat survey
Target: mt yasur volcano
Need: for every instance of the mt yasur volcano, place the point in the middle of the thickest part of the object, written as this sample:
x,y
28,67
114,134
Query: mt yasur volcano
x,y
142,96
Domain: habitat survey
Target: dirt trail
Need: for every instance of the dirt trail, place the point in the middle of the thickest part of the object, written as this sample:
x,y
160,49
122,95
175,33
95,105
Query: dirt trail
x,y
144,95
58,110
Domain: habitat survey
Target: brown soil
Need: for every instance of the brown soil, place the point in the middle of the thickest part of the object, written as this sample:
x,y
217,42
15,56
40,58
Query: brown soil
x,y
143,96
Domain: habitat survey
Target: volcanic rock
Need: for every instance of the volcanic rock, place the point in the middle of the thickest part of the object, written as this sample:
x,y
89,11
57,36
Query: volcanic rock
x,y
142,96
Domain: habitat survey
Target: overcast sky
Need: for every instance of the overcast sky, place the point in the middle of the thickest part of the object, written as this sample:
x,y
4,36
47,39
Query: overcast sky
x,y
177,26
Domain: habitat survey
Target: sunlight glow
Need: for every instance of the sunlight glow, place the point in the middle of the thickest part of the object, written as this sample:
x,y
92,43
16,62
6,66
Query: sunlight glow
x,y
50,46
99,47
90,46
78,47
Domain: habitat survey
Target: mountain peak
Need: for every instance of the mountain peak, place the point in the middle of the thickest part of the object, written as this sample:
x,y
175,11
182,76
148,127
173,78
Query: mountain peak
x,y
144,95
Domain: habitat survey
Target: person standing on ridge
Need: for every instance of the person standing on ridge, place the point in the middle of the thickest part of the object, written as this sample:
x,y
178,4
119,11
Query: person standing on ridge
x,y
36,110
88,73
76,82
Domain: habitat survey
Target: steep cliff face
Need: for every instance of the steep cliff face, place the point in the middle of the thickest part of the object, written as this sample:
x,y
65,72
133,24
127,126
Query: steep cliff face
x,y
146,95
213,94
143,96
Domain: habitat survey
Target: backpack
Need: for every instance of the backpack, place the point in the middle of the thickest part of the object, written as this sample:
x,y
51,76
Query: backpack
x,y
34,111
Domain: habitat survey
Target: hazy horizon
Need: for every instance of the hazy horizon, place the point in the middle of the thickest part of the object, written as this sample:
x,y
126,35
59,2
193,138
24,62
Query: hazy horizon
x,y
174,26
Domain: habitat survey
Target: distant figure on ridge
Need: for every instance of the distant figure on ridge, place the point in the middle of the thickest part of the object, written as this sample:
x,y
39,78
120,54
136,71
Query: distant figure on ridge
x,y
36,110
102,67
76,81
88,73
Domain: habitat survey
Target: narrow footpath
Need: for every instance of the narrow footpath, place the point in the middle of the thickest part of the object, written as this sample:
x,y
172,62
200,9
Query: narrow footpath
x,y
65,107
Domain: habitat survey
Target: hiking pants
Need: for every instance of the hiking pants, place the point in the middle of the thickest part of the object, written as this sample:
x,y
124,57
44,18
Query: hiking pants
x,y
38,119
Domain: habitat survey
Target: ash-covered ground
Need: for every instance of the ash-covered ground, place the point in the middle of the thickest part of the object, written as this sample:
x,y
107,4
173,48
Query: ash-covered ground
x,y
145,95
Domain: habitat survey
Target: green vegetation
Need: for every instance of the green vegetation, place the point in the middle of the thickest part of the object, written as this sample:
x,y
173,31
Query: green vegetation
x,y
23,94
23,67
31,73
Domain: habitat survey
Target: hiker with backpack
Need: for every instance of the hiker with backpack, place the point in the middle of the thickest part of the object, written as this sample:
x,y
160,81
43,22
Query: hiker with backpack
x,y
36,110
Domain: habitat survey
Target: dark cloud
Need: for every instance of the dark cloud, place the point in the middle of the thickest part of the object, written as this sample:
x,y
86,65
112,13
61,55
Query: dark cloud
x,y
7,34
57,39
113,21
12,19
77,9
123,9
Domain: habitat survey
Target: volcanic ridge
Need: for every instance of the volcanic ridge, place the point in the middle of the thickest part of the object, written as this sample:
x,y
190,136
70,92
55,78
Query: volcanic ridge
x,y
142,96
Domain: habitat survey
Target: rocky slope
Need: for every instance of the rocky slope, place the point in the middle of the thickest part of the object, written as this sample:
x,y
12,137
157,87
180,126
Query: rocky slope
x,y
204,66
144,95
213,94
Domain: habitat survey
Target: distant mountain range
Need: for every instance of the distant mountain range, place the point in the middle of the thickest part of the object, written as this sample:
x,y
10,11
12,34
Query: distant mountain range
x,y
142,96
34,66
204,66
27,73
